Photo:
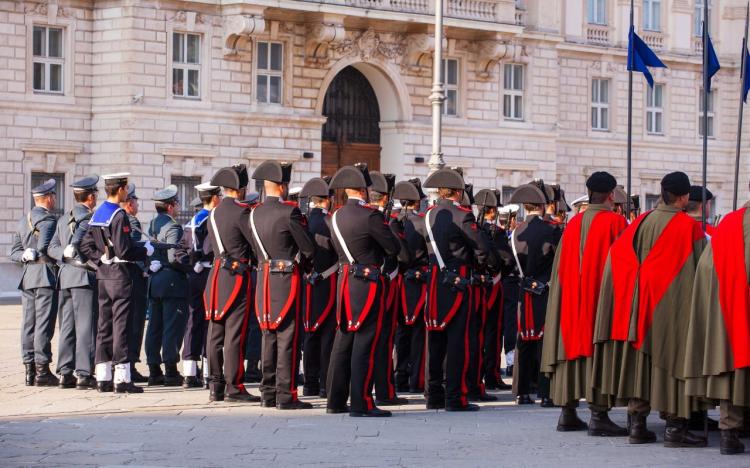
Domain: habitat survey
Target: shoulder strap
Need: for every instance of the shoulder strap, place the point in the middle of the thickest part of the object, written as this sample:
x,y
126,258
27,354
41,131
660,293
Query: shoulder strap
x,y
435,249
255,234
515,252
219,244
341,239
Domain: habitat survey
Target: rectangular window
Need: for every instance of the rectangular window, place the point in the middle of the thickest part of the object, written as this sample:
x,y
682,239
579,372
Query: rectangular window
x,y
185,194
597,11
450,78
652,15
38,178
48,60
186,65
655,109
651,201
710,113
513,92
270,68
700,10
599,104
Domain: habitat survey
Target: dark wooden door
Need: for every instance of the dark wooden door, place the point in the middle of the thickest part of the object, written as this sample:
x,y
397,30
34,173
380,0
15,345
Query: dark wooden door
x,y
352,132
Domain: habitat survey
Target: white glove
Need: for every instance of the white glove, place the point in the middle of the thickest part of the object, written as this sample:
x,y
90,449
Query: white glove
x,y
155,265
198,267
29,255
149,248
69,251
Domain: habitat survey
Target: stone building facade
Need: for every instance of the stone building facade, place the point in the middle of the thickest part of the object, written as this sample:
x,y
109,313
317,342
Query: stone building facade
x,y
171,90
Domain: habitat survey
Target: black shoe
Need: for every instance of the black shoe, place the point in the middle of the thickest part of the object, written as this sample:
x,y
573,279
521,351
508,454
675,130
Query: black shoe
x,y
436,405
730,443
155,375
524,400
469,407
601,426
45,377
323,393
395,401
268,403
135,376
242,398
67,381
85,382
373,413
482,397
547,403
172,377
310,391
30,374
504,386
338,410
127,387
191,381
697,422
569,421
105,386
639,433
676,435
214,395
295,405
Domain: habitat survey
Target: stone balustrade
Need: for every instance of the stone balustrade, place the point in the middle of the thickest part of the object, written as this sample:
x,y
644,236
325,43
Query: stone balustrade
x,y
480,10
597,34
654,39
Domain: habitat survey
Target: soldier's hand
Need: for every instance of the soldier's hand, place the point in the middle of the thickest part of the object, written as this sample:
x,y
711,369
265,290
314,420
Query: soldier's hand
x,y
69,251
149,248
29,255
155,266
198,267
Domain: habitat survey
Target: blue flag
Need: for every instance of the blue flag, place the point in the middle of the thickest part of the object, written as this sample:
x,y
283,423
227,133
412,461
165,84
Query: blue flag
x,y
746,77
713,61
640,57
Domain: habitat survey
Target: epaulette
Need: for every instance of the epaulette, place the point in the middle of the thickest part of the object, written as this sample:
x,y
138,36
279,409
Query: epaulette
x,y
468,210
291,203
104,215
241,204
422,215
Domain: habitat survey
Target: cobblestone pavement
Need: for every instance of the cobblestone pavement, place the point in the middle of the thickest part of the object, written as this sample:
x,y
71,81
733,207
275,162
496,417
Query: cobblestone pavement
x,y
172,427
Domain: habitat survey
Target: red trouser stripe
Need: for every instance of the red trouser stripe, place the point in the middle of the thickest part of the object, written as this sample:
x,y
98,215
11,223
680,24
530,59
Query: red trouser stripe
x,y
371,363
293,380
464,390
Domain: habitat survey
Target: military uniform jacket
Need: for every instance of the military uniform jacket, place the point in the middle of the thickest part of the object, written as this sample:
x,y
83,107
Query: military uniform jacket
x,y
461,245
195,239
109,234
35,231
320,292
413,294
280,231
171,280
369,239
71,227
224,286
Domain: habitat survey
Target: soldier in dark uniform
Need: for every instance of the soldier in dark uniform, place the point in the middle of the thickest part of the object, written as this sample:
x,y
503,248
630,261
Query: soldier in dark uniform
x,y
455,245
362,240
107,243
139,276
410,334
511,290
254,335
167,287
380,198
229,289
320,290
201,259
38,285
281,239
534,242
78,306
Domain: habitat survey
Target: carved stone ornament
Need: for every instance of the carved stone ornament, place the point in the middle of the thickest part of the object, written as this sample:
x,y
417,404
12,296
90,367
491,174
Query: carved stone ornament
x,y
189,18
418,50
368,45
320,38
491,52
237,32
52,11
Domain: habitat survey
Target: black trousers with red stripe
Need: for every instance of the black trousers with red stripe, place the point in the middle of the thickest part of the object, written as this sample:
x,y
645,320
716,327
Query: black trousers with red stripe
x,y
226,347
449,346
410,355
353,361
384,385
476,343
279,359
317,355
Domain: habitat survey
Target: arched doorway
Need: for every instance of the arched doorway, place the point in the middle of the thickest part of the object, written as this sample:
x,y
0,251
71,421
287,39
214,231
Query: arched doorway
x,y
351,133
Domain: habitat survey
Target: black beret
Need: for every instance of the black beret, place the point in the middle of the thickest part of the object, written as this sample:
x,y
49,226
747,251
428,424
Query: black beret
x,y
315,187
418,184
44,188
274,171
406,191
86,184
234,177
379,182
351,177
530,194
445,178
676,183
621,197
601,182
696,194
486,198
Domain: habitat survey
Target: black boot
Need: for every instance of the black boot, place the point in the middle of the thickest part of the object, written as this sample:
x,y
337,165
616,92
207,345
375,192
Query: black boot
x,y
216,391
600,425
45,377
67,381
127,387
30,374
569,421
730,443
676,435
192,381
639,433
172,377
136,376
524,400
395,401
481,396
85,382
155,376
105,386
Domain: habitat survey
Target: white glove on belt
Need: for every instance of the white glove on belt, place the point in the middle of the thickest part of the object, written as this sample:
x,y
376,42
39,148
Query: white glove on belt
x,y
198,267
149,248
69,251
155,265
29,255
